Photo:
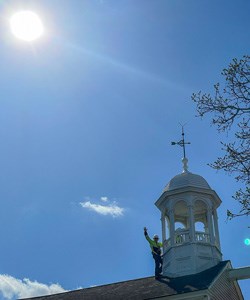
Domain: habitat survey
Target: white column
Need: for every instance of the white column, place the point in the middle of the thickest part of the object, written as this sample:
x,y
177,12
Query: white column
x,y
172,229
210,225
163,225
216,228
191,223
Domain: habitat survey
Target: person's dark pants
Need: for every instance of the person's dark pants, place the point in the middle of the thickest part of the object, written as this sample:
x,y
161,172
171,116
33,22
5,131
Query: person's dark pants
x,y
158,264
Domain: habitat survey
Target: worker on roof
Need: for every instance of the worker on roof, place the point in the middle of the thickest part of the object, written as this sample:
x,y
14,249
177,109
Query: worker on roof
x,y
155,246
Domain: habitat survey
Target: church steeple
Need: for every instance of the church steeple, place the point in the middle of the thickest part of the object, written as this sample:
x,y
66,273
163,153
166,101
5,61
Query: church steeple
x,y
189,219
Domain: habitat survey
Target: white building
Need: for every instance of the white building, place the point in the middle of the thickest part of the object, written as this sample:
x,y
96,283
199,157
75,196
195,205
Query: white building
x,y
192,259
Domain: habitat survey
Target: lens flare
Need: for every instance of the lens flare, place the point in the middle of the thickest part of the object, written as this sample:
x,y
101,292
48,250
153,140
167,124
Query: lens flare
x,y
247,242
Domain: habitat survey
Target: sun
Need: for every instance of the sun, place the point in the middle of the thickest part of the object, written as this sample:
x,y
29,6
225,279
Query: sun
x,y
26,25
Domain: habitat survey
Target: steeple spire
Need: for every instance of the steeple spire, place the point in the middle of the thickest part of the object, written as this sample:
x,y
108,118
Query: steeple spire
x,y
182,143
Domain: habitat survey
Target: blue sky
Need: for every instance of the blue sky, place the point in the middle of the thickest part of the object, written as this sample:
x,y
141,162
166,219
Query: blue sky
x,y
88,113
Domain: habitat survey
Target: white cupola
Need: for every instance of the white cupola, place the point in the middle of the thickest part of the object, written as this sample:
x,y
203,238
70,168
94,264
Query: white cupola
x,y
190,233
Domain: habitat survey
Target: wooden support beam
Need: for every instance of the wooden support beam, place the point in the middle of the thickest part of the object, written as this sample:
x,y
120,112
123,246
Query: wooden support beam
x,y
240,273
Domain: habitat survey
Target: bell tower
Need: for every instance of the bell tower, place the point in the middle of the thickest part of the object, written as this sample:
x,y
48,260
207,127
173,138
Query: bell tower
x,y
190,233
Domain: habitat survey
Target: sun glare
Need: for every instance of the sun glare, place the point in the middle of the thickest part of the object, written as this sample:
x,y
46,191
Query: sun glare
x,y
26,25
247,242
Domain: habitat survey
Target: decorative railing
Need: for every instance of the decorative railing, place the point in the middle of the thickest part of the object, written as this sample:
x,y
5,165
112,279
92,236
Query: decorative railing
x,y
183,236
202,237
180,237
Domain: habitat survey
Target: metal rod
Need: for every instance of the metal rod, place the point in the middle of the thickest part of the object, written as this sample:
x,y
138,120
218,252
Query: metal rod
x,y
182,142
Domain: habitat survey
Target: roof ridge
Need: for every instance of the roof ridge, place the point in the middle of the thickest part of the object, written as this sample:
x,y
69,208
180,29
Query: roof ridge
x,y
119,282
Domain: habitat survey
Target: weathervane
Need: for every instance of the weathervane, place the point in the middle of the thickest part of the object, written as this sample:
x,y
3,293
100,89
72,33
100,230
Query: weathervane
x,y
182,142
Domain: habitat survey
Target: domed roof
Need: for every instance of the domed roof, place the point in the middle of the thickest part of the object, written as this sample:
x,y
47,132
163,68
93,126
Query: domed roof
x,y
186,179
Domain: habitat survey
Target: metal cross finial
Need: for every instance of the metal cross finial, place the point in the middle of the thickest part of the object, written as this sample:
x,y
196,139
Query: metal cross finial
x,y
182,142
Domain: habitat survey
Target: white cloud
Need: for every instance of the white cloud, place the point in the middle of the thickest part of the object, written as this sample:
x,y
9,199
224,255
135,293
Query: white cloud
x,y
104,199
12,288
111,209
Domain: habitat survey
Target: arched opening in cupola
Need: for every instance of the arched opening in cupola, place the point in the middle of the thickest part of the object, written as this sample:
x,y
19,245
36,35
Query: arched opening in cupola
x,y
199,226
179,226
201,221
181,221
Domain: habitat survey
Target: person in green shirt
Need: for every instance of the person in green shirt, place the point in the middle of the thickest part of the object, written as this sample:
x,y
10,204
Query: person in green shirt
x,y
155,246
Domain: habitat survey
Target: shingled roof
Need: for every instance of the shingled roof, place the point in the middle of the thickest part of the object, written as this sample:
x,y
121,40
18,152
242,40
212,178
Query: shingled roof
x,y
143,288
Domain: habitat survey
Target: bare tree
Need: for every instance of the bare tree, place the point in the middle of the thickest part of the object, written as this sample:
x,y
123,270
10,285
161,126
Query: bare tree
x,y
230,109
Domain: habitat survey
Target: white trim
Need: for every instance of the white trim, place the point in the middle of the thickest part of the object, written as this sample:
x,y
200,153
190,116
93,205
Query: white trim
x,y
203,199
184,190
